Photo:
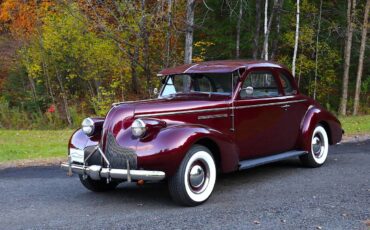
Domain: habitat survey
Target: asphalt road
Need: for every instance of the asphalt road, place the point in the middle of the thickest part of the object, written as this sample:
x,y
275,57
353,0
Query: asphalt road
x,y
282,195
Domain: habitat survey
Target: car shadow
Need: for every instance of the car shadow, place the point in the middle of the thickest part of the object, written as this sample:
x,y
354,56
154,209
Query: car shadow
x,y
158,194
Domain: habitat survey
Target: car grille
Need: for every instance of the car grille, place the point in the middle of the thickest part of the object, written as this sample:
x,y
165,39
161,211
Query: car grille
x,y
117,155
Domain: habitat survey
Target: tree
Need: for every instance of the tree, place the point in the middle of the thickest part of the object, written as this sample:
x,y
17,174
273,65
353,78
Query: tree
x,y
257,29
267,29
351,6
277,36
317,50
265,51
238,27
365,26
296,40
190,6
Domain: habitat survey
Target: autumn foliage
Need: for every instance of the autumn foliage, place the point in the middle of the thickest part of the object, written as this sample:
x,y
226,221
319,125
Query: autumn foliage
x,y
62,60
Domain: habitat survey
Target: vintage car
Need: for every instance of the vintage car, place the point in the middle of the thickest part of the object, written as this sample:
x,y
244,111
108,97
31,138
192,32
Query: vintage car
x,y
209,118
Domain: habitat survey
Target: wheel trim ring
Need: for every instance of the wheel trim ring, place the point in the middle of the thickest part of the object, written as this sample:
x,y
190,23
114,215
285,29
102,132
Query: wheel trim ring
x,y
323,152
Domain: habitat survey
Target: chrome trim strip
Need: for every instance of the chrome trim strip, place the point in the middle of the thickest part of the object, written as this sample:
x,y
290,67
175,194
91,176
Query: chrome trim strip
x,y
190,68
212,116
182,112
130,102
217,109
269,104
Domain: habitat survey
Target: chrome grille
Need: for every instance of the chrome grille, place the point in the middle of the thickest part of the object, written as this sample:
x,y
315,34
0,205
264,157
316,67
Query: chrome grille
x,y
118,155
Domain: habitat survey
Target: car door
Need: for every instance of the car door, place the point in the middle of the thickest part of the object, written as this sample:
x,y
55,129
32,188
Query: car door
x,y
259,117
295,108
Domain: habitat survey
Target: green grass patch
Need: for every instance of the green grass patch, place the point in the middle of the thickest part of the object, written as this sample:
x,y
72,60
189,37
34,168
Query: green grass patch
x,y
353,125
32,144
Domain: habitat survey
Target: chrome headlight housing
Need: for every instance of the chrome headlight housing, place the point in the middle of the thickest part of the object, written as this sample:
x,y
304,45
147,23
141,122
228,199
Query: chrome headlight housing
x,y
138,128
88,126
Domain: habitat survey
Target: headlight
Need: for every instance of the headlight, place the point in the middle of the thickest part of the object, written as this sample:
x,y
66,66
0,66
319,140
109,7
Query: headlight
x,y
138,128
88,126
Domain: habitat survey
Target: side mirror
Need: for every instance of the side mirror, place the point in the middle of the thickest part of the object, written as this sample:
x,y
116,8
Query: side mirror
x,y
155,91
249,91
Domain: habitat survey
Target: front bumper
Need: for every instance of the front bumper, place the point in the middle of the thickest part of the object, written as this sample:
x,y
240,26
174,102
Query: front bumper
x,y
97,172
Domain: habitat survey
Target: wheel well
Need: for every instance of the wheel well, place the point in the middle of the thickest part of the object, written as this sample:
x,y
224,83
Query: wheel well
x,y
213,147
327,129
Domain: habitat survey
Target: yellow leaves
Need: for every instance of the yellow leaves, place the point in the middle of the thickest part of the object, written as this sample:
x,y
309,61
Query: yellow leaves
x,y
34,70
200,48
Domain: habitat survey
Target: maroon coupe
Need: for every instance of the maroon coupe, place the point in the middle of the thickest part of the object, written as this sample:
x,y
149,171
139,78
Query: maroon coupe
x,y
211,117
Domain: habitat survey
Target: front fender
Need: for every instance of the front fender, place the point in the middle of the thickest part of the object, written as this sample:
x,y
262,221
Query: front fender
x,y
167,149
80,140
312,118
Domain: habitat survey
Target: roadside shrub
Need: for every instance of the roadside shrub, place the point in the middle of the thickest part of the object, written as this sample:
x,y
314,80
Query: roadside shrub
x,y
17,118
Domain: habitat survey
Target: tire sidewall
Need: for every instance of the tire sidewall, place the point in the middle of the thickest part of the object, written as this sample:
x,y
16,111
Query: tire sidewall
x,y
179,183
207,156
320,130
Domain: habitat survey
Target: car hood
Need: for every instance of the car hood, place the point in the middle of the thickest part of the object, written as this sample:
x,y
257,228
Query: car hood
x,y
120,117
160,106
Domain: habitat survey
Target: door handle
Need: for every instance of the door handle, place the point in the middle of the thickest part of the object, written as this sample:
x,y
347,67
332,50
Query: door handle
x,y
285,106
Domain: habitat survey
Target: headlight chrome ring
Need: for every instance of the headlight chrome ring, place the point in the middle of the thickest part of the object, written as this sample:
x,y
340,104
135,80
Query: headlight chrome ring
x,y
138,128
88,126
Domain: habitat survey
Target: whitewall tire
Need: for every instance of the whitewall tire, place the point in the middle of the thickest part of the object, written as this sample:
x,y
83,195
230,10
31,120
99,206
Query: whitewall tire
x,y
195,179
319,148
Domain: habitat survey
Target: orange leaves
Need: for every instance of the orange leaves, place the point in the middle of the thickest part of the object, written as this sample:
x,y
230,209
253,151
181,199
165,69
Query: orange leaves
x,y
22,17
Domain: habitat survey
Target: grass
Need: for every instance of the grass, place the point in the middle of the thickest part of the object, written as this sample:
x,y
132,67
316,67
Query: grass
x,y
33,144
354,125
40,144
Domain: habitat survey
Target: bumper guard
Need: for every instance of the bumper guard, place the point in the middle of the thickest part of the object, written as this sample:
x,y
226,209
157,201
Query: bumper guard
x,y
97,172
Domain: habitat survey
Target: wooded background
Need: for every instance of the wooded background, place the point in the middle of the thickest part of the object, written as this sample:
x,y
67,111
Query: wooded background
x,y
62,60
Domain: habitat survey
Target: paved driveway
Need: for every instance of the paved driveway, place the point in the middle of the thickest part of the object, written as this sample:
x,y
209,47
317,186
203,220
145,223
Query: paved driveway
x,y
282,195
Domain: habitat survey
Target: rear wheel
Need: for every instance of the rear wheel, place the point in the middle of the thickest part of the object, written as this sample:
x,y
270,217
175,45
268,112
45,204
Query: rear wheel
x,y
195,179
319,148
98,185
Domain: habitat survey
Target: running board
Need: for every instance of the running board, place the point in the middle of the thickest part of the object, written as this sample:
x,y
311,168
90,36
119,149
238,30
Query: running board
x,y
246,164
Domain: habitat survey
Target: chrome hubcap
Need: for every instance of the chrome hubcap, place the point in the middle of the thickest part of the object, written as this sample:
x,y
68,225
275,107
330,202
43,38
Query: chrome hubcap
x,y
317,146
197,176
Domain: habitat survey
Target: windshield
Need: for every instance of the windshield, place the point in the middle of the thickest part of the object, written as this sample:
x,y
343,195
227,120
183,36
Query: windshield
x,y
210,83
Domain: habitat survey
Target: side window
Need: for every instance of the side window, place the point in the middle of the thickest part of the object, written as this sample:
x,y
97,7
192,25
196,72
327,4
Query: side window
x,y
263,84
287,85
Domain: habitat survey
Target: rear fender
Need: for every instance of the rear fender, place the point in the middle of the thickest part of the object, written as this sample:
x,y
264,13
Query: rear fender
x,y
314,116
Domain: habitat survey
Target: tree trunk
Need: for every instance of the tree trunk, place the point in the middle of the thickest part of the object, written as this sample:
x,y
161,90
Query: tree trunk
x,y
265,44
265,51
190,5
361,59
257,31
296,39
347,56
134,59
168,34
238,29
317,51
145,39
276,41
64,97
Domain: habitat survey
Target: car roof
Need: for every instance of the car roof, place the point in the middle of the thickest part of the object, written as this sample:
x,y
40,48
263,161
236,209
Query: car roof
x,y
221,66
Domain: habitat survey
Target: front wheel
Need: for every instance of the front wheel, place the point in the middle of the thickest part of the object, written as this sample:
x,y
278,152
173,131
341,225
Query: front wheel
x,y
319,148
195,179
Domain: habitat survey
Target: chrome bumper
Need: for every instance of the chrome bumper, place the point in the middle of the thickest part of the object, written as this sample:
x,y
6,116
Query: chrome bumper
x,y
96,172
